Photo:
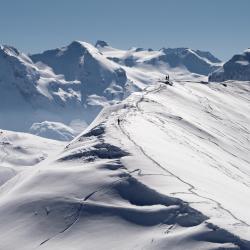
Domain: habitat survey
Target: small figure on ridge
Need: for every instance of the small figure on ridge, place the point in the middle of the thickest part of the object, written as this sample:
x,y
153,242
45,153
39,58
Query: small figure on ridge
x,y
118,121
167,78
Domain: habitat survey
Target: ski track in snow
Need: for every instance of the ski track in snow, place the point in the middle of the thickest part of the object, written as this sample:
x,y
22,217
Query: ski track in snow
x,y
191,188
83,203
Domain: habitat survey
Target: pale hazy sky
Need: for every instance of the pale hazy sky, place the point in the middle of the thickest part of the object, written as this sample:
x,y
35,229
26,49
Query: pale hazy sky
x,y
219,26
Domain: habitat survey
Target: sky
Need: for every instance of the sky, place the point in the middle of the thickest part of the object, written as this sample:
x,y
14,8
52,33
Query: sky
x,y
219,26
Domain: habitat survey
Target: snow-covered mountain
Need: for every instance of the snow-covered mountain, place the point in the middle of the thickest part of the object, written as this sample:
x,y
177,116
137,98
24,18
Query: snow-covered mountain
x,y
173,173
82,61
101,79
34,93
237,68
192,61
57,93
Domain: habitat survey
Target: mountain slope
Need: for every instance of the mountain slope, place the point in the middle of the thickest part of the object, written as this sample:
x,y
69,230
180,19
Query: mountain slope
x,y
34,93
82,61
123,185
237,68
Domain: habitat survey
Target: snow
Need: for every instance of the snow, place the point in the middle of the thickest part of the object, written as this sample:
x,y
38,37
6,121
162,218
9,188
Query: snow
x,y
76,81
20,151
247,50
34,93
243,63
237,68
53,130
174,174
166,167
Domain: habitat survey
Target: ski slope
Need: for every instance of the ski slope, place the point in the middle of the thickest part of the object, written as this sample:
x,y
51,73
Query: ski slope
x,y
173,174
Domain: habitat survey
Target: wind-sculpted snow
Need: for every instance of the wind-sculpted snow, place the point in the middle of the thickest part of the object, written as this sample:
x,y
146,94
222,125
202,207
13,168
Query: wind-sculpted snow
x,y
168,168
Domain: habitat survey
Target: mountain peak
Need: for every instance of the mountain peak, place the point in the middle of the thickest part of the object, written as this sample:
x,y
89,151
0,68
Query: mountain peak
x,y
76,45
101,44
6,49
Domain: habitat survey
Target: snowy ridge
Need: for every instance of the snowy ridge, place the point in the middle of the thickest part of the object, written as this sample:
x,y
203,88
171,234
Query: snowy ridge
x,y
129,188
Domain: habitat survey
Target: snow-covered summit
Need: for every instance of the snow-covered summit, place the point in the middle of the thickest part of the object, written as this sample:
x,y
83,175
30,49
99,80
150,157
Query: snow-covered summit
x,y
83,62
79,61
237,68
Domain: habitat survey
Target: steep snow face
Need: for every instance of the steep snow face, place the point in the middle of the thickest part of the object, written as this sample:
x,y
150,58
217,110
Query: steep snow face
x,y
102,82
237,68
168,168
33,93
17,75
82,61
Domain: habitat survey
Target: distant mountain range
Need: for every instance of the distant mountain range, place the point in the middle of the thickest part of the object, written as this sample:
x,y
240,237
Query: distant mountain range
x,y
64,89
237,68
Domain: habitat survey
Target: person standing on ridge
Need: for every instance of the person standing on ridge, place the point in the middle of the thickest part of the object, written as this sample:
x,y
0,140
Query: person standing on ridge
x,y
118,121
167,78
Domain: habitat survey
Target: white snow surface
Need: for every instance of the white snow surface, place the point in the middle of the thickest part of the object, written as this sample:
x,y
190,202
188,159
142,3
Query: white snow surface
x,y
173,173
21,151
53,130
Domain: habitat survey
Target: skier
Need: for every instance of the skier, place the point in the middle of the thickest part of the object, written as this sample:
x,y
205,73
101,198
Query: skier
x,y
167,78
